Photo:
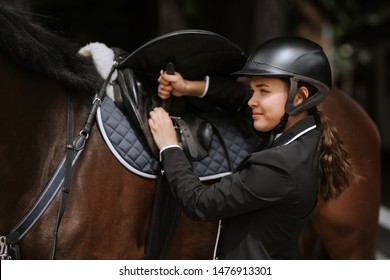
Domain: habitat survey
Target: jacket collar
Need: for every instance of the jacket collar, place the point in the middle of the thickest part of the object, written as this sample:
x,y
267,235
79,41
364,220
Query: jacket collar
x,y
300,128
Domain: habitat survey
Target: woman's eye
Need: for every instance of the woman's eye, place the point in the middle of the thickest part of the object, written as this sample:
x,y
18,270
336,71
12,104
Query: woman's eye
x,y
263,91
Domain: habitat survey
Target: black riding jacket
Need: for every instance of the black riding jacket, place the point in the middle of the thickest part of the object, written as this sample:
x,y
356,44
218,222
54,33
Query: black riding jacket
x,y
265,204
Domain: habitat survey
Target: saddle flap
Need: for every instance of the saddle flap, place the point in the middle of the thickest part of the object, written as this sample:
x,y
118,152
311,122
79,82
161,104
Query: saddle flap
x,y
194,133
133,96
137,103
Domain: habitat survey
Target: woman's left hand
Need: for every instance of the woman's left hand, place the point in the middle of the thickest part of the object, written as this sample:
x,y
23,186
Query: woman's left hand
x,y
162,129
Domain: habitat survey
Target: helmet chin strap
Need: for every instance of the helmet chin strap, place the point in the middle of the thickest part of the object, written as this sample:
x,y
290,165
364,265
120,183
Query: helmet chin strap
x,y
289,107
278,129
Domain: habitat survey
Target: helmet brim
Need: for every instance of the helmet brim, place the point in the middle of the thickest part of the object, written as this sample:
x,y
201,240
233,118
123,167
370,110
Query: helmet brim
x,y
263,70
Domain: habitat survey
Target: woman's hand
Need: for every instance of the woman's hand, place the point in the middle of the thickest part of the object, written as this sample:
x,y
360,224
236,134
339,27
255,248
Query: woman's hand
x,y
171,84
162,129
178,86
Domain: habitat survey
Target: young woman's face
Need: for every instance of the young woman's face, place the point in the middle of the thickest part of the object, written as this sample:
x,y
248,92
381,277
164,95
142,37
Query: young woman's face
x,y
268,102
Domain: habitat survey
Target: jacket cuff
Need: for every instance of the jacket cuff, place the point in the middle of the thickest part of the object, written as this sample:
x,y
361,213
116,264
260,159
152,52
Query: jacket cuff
x,y
168,147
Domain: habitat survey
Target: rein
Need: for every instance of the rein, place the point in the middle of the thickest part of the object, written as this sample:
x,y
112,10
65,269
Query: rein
x,y
9,247
68,173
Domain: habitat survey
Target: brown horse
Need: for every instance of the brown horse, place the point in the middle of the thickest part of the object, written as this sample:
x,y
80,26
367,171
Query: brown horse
x,y
348,226
109,207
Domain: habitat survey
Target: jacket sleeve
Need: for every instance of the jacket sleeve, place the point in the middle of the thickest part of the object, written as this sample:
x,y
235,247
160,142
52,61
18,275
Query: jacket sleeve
x,y
228,94
232,96
227,198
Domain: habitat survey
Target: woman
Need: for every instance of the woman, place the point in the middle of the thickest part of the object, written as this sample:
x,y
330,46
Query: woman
x,y
267,201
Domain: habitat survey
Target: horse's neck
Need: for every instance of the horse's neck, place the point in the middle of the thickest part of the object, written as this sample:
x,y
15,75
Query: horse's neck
x,y
33,126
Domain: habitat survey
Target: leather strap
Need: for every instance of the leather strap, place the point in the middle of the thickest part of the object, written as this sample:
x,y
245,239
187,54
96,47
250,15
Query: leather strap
x,y
73,152
50,191
188,138
68,174
163,220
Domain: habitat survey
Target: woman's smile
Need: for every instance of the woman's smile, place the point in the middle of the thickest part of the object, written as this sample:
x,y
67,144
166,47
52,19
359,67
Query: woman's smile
x,y
256,115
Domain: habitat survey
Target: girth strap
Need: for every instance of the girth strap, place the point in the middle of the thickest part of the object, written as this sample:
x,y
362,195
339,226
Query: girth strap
x,y
163,220
195,151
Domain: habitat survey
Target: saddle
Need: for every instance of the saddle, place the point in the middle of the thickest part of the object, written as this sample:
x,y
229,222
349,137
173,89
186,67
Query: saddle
x,y
194,135
195,120
136,99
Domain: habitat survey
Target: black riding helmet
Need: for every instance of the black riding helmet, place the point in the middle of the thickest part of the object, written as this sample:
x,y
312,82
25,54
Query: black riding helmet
x,y
296,58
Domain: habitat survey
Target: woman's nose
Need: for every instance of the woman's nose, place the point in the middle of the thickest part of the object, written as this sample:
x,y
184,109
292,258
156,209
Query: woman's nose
x,y
252,102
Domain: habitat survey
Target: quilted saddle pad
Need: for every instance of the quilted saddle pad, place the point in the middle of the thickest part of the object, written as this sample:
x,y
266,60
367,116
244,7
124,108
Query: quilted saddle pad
x,y
129,145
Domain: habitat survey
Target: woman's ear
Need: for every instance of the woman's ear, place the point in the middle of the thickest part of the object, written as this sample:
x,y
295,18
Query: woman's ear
x,y
301,95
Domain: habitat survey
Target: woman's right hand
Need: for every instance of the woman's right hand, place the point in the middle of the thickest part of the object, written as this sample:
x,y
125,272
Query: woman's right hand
x,y
161,126
171,84
177,86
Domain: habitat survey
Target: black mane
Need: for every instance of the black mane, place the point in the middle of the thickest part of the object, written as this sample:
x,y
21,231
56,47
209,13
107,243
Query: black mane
x,y
30,46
